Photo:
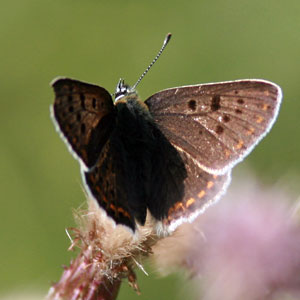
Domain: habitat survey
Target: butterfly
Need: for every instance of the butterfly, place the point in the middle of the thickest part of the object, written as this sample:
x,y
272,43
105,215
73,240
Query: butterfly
x,y
170,156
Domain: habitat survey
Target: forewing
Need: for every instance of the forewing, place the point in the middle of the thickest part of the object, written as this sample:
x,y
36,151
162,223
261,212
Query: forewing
x,y
85,115
216,124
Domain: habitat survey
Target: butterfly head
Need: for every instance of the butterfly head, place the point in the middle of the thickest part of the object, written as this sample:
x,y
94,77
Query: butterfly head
x,y
123,90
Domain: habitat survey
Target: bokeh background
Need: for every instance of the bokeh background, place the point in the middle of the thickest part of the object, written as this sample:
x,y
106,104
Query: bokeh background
x,y
99,42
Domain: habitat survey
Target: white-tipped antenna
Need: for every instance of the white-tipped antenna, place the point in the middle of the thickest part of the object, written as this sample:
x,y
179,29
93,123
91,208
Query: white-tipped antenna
x,y
166,41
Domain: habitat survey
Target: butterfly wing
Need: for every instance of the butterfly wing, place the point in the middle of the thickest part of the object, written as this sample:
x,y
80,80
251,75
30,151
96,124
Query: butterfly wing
x,y
108,183
202,189
179,190
216,124
85,115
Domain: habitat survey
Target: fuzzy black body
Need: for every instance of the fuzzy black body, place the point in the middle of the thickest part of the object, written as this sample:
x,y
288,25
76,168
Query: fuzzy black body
x,y
137,169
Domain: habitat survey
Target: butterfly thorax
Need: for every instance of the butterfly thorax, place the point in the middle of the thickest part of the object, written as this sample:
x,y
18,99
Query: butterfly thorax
x,y
135,105
133,119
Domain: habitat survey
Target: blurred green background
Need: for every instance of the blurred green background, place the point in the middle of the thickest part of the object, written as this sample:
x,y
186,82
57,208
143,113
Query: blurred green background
x,y
99,42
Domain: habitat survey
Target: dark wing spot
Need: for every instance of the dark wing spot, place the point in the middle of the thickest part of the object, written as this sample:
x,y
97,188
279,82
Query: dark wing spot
x,y
94,103
219,129
240,101
226,119
236,92
82,100
200,132
82,128
238,111
215,104
192,104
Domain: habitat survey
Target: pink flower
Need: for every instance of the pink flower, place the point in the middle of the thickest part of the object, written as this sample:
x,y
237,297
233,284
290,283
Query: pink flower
x,y
246,247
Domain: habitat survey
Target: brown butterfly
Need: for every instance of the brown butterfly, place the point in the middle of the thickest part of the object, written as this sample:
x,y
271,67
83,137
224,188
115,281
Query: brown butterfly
x,y
172,154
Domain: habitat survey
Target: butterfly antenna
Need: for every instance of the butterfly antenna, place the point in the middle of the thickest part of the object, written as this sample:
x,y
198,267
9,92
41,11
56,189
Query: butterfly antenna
x,y
166,41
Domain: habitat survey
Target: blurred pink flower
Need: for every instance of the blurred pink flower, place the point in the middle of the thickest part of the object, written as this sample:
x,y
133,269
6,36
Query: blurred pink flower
x,y
246,247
